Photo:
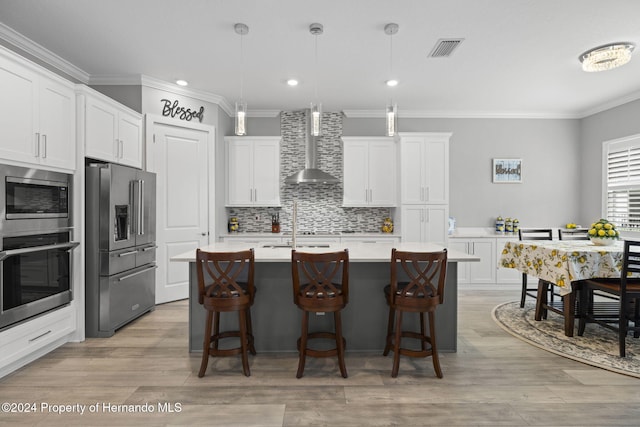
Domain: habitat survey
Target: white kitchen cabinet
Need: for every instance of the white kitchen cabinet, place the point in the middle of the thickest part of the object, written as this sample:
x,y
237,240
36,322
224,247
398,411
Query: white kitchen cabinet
x,y
369,171
424,223
37,114
424,168
476,272
23,343
253,171
112,132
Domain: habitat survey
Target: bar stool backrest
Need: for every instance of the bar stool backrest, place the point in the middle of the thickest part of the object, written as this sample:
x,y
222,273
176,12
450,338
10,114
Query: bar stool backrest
x,y
417,279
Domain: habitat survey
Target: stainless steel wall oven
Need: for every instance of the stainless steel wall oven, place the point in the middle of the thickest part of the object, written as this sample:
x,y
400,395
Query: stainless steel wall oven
x,y
35,243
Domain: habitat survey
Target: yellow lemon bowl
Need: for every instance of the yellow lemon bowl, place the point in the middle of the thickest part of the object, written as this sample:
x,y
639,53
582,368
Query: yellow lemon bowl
x,y
602,242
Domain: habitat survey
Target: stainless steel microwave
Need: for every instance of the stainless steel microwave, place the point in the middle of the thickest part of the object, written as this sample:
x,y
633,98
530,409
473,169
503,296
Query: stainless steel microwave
x,y
34,199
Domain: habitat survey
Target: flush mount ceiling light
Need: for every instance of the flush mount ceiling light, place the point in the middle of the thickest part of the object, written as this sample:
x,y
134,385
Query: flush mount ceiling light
x,y
316,107
391,110
241,105
292,82
606,57
181,82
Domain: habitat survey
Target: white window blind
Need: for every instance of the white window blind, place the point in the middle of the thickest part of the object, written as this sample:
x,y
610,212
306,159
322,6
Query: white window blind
x,y
623,182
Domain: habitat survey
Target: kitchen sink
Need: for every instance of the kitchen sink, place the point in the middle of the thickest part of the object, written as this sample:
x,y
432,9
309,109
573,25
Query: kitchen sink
x,y
283,245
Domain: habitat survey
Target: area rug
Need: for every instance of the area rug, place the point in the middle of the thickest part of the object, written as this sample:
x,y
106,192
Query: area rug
x,y
597,347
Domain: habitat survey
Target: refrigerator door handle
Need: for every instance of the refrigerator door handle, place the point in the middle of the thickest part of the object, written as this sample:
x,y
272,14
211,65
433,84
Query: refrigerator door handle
x,y
140,207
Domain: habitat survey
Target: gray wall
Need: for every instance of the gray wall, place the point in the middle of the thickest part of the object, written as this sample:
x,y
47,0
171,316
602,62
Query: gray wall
x,y
611,124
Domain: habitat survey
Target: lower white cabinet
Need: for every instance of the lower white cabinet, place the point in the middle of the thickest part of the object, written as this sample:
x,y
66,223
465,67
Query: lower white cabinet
x,y
28,341
476,272
425,223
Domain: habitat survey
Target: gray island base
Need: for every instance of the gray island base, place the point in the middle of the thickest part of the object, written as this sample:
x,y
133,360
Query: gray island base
x,y
277,321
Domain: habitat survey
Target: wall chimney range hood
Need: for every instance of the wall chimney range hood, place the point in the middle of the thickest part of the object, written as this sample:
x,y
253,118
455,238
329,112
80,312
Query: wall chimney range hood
x,y
310,174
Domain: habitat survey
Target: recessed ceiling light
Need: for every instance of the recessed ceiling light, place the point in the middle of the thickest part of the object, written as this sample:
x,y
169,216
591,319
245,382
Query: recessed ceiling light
x,y
292,82
182,82
392,82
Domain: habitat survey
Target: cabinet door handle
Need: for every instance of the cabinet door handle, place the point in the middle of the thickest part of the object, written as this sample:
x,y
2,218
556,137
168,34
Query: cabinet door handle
x,y
36,148
426,191
370,195
44,146
121,149
255,194
117,148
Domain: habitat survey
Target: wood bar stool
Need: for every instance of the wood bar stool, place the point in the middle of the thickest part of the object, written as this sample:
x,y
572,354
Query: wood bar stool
x,y
226,284
320,284
419,288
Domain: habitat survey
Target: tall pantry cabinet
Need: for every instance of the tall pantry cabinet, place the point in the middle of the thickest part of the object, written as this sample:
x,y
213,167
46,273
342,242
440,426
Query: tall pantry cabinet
x,y
424,186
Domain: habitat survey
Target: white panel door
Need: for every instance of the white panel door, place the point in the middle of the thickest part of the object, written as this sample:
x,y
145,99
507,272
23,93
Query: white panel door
x,y
436,171
413,223
180,160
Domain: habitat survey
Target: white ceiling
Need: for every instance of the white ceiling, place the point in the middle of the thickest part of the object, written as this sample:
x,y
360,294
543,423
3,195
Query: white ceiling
x,y
519,57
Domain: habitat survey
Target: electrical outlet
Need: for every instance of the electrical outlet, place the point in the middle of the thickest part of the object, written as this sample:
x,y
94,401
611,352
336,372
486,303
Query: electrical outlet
x,y
257,217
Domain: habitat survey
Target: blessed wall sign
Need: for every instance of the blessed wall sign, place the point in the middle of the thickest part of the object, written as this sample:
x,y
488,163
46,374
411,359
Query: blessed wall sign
x,y
173,109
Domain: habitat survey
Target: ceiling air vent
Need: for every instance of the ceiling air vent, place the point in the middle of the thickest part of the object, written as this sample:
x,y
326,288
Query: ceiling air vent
x,y
444,48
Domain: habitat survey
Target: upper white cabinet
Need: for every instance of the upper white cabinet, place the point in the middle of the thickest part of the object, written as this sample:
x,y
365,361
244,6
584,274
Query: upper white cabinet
x,y
369,171
253,171
37,114
424,159
112,132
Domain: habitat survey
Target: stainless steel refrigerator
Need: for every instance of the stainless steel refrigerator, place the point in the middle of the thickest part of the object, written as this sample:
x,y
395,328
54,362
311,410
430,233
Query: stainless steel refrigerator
x,y
120,246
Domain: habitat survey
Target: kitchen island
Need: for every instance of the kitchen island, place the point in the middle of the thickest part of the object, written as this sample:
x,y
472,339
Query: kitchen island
x,y
277,320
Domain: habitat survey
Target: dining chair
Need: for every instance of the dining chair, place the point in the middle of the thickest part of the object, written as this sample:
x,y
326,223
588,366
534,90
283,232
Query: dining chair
x,y
626,288
533,234
226,284
320,284
574,234
417,286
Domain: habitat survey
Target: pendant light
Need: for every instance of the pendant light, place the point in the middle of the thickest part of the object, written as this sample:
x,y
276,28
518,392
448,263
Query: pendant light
x,y
241,105
316,107
391,112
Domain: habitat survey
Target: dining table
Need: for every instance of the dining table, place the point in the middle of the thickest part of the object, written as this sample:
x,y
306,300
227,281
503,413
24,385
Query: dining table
x,y
564,263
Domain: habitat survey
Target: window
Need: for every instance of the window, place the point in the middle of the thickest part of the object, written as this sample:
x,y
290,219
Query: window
x,y
623,182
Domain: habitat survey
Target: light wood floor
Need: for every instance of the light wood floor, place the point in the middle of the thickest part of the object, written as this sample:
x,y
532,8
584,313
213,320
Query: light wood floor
x,y
493,379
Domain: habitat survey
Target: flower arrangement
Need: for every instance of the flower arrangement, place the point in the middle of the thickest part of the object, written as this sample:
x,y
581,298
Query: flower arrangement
x,y
603,232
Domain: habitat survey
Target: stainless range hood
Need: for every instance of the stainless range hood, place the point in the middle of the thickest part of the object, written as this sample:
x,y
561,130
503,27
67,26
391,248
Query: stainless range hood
x,y
310,174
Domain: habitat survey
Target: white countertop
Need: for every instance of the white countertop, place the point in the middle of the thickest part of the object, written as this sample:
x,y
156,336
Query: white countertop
x,y
358,252
479,232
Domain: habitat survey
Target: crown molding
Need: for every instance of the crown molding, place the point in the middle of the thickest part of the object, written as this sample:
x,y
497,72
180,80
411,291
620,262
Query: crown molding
x,y
32,48
634,96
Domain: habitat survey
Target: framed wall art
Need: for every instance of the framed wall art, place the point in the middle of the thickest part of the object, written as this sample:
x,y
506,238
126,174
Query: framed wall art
x,y
507,171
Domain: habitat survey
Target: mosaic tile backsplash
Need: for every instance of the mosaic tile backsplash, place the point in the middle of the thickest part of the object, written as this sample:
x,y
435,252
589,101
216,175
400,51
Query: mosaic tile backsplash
x,y
319,205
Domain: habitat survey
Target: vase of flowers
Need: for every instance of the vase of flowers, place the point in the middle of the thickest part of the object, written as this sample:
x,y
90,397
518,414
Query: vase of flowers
x,y
603,233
